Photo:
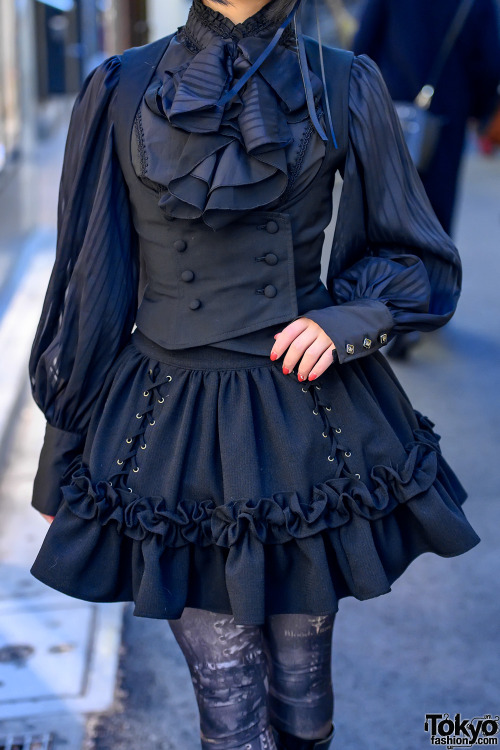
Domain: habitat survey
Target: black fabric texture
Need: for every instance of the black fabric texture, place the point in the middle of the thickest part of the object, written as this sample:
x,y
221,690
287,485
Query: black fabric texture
x,y
181,460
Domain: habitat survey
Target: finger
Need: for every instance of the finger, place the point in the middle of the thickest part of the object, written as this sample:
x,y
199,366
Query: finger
x,y
323,363
297,348
312,355
287,335
49,519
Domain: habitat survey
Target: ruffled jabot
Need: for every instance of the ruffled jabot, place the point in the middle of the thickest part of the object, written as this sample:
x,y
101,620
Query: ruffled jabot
x,y
218,161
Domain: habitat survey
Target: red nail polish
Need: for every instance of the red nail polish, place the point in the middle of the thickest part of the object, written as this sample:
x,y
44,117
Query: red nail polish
x,y
312,376
301,377
274,356
286,371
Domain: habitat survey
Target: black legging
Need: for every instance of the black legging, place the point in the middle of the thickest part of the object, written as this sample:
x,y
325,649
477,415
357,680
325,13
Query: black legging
x,y
246,678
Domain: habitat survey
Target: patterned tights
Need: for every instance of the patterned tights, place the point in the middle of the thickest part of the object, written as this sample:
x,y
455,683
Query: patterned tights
x,y
247,677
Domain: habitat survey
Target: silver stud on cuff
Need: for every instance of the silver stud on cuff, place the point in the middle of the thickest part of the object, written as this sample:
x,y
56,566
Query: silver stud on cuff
x,y
350,348
367,342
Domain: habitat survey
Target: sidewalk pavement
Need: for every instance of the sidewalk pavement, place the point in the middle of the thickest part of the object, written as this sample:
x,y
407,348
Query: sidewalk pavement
x,y
431,646
58,656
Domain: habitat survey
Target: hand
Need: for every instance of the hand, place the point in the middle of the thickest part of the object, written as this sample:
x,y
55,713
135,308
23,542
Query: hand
x,y
49,519
306,341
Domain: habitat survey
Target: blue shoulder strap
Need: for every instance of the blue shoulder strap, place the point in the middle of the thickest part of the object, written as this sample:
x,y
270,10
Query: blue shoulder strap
x,y
337,63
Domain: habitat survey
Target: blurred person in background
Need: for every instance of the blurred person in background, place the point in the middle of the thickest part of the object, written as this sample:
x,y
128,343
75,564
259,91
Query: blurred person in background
x,y
404,38
337,18
244,458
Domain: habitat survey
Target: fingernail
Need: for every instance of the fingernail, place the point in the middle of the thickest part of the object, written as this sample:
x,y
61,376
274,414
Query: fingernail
x,y
286,371
312,376
301,377
274,356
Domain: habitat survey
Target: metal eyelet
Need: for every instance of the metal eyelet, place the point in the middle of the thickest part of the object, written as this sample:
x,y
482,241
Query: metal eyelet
x,y
325,434
146,393
305,390
135,470
315,412
328,408
130,489
161,400
138,416
347,454
150,372
152,424
129,440
110,484
119,462
358,476
143,447
318,387
169,378
331,458
338,430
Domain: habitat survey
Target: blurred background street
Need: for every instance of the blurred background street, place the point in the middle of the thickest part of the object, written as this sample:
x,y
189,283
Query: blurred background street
x,y
80,676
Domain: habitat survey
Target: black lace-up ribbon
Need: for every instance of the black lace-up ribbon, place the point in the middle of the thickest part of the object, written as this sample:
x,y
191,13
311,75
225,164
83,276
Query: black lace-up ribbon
x,y
135,440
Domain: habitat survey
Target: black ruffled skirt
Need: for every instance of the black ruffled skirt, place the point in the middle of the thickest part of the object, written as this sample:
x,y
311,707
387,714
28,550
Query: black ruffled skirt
x,y
209,479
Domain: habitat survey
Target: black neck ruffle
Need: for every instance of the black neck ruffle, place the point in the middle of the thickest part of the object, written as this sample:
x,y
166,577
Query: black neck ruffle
x,y
224,27
234,158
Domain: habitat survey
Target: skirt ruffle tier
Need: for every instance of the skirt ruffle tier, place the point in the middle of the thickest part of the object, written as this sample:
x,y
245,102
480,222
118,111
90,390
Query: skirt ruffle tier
x,y
209,479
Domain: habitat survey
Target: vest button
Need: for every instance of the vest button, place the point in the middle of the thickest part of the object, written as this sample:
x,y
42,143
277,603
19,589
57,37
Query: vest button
x,y
187,275
180,246
195,304
271,259
270,291
272,227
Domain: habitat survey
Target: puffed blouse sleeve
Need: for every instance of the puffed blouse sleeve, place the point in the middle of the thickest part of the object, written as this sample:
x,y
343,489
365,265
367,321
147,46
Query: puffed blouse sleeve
x,y
392,268
91,300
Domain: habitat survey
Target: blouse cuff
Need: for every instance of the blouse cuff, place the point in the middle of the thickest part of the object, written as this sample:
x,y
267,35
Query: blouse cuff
x,y
59,450
357,328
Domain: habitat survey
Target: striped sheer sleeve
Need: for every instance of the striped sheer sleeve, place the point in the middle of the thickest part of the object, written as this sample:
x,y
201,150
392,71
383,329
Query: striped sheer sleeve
x,y
392,268
91,299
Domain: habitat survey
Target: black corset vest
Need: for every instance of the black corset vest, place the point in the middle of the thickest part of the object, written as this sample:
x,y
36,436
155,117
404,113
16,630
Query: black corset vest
x,y
202,286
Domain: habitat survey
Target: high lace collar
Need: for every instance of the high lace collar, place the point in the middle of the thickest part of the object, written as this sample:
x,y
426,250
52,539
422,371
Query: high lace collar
x,y
224,27
204,23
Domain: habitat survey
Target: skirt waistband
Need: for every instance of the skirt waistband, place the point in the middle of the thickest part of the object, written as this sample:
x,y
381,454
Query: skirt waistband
x,y
200,357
